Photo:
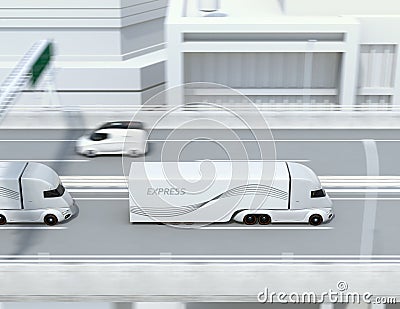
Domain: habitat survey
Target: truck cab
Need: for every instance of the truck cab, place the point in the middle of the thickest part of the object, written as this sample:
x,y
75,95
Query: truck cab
x,y
33,192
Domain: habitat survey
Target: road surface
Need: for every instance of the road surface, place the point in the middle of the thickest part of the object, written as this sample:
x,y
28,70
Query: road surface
x,y
103,227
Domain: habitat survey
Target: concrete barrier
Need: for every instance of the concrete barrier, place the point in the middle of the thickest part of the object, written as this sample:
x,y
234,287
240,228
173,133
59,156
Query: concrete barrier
x,y
189,282
75,118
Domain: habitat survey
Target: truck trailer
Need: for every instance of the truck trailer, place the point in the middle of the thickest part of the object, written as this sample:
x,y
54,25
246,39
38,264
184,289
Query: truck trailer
x,y
33,192
248,192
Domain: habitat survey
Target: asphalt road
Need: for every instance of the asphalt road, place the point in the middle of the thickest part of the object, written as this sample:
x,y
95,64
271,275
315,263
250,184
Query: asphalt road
x,y
103,227
327,152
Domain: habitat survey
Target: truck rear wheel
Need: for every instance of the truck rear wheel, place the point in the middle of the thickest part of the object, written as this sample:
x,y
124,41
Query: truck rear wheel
x,y
250,219
3,220
264,219
315,219
50,219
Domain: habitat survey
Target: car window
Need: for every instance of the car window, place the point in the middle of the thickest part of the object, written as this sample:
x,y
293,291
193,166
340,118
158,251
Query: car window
x,y
136,125
98,136
115,125
122,125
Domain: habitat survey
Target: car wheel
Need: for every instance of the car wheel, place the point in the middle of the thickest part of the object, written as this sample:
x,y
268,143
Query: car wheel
x,y
50,219
133,153
3,220
90,153
250,219
315,219
264,219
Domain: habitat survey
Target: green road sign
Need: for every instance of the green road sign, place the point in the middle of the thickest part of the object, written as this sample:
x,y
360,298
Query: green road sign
x,y
41,63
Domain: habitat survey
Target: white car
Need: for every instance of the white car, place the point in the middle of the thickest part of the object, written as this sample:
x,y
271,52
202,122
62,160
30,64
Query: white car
x,y
122,137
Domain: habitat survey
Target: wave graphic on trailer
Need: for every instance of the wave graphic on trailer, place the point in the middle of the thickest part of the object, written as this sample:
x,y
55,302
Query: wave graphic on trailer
x,y
250,189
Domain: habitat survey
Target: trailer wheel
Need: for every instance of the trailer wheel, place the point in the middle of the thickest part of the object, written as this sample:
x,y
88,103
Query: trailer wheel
x,y
50,219
250,219
315,219
3,220
264,219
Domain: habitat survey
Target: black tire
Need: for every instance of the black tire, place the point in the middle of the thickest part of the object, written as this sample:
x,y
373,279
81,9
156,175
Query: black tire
x,y
264,219
50,219
133,153
3,220
90,153
315,219
250,219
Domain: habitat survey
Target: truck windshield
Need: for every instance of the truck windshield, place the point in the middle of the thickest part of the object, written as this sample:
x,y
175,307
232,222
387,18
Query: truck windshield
x,y
59,191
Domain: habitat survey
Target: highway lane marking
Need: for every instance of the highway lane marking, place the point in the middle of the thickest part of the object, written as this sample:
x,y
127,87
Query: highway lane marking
x,y
207,160
101,199
125,190
38,140
363,190
374,257
266,228
207,140
42,160
267,140
365,198
33,228
98,190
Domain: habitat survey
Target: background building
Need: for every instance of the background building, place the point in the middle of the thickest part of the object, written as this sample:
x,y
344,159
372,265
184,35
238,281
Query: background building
x,y
288,51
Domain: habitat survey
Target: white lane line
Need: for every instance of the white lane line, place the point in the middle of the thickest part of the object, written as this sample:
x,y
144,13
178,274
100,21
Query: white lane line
x,y
203,140
365,198
38,140
125,190
288,160
202,256
267,140
370,205
42,160
363,190
33,228
161,260
266,228
98,190
101,199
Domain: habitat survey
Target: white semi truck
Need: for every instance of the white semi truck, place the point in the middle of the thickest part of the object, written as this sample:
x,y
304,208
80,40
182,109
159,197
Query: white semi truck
x,y
33,192
221,191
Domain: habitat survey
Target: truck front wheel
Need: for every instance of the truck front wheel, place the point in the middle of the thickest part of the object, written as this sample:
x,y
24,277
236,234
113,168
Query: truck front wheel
x,y
3,220
315,220
50,219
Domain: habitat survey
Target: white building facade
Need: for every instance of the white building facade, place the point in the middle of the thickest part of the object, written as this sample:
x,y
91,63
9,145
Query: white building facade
x,y
287,51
